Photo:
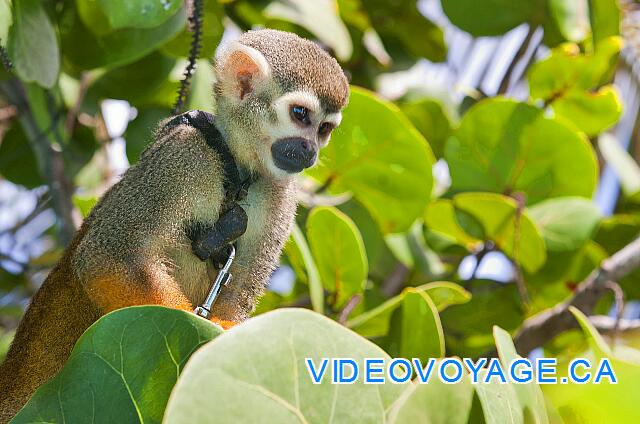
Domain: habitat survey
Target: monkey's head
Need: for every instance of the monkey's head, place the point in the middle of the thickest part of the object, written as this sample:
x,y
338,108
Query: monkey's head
x,y
278,98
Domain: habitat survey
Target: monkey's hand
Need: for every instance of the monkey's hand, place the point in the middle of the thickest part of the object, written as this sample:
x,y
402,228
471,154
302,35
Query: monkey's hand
x,y
214,241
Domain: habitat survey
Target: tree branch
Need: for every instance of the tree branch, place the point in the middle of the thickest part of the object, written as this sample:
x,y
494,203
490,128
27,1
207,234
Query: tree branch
x,y
522,50
541,328
50,161
607,325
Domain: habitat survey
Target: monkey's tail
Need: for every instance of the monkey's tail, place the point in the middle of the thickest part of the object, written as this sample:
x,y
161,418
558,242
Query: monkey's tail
x,y
58,315
195,24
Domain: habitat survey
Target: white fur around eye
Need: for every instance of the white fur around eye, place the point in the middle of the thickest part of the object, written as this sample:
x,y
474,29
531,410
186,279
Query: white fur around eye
x,y
298,98
334,118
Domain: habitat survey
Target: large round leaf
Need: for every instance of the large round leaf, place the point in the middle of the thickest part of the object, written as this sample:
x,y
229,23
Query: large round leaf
x,y
375,322
492,17
434,403
566,223
138,13
415,330
529,395
385,162
33,44
320,17
86,50
18,163
430,118
122,369
338,251
504,146
257,373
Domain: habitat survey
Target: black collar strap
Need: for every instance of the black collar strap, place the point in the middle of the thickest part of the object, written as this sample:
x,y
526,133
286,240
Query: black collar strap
x,y
236,187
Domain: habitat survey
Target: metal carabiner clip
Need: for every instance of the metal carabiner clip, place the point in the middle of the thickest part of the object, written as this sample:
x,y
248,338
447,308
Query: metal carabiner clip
x,y
223,278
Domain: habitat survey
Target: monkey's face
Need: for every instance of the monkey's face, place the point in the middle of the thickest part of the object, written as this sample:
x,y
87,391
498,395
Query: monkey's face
x,y
278,115
301,128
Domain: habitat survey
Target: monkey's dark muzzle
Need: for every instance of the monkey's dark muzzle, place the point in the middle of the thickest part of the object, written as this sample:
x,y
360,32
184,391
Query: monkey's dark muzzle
x,y
294,154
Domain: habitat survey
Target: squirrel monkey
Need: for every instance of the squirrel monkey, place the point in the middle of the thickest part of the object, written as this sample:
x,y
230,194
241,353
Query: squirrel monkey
x,y
278,98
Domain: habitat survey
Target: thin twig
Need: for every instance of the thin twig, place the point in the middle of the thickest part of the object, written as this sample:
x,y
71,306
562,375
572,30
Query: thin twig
x,y
70,123
50,160
608,325
544,326
519,277
506,80
396,280
348,308
618,296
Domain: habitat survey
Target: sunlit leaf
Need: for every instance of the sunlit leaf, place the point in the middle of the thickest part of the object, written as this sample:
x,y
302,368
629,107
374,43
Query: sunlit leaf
x,y
33,44
434,403
320,17
138,13
566,223
338,252
385,162
130,358
224,377
375,322
513,231
529,394
492,17
504,146
622,162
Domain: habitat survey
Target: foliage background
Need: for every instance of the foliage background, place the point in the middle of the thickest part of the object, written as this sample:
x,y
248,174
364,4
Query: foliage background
x,y
434,215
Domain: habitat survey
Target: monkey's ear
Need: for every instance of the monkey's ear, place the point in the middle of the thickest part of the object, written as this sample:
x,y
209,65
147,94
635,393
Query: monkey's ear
x,y
242,70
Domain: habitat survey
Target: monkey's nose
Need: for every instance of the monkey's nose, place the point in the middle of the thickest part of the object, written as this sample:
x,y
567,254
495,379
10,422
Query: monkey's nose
x,y
293,154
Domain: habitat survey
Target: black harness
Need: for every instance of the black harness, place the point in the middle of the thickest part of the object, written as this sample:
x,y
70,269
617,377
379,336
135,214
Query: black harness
x,y
215,242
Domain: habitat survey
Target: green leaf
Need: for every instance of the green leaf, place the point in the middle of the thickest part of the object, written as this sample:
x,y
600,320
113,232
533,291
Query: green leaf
x,y
84,204
134,82
597,344
140,130
200,97
33,44
430,119
320,17
396,24
529,395
566,70
138,13
468,327
441,218
566,223
213,29
591,112
223,378
435,403
605,18
6,19
338,252
571,17
514,233
415,329
625,167
445,294
316,291
385,162
499,401
85,50
492,17
130,358
18,163
375,322
504,146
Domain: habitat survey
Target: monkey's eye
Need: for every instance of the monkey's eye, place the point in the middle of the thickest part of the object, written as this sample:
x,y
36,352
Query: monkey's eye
x,y
300,114
325,129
